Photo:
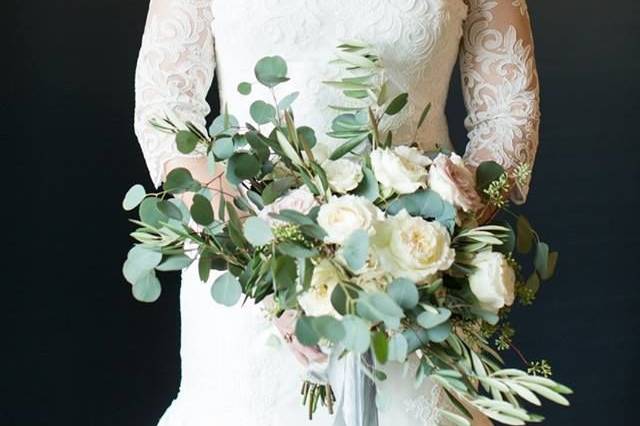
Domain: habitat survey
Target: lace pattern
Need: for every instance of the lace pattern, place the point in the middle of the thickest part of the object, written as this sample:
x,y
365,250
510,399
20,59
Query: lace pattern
x,y
173,75
500,86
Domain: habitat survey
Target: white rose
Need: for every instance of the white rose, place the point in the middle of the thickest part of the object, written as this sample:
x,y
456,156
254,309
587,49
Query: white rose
x,y
454,182
493,281
412,248
300,200
402,169
372,277
316,301
343,175
343,215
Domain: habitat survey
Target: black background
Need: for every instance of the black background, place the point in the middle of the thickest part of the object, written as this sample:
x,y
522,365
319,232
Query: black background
x,y
80,351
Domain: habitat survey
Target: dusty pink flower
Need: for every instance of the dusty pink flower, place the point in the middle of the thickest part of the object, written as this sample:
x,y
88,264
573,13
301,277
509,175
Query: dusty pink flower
x,y
454,182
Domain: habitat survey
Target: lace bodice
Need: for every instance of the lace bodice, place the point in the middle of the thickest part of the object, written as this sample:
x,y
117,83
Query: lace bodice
x,y
418,40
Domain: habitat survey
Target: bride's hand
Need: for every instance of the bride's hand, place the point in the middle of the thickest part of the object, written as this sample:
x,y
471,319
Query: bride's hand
x,y
286,324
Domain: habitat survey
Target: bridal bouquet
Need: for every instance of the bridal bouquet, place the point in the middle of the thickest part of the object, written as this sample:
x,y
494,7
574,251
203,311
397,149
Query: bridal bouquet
x,y
375,245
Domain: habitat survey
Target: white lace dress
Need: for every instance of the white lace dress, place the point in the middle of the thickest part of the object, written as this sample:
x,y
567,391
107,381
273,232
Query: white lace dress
x,y
235,371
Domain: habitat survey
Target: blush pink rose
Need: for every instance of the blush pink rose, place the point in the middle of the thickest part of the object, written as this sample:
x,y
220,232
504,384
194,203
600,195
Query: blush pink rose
x,y
454,182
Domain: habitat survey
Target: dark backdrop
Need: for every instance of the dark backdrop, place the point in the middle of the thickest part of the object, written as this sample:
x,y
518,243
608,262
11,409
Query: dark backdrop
x,y
80,351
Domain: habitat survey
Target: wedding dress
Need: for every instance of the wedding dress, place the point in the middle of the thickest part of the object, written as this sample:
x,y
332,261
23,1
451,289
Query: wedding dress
x,y
235,368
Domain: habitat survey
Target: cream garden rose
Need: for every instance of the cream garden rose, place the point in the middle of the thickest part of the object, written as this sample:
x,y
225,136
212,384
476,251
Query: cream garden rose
x,y
454,182
493,281
300,200
343,215
343,175
402,169
317,300
412,248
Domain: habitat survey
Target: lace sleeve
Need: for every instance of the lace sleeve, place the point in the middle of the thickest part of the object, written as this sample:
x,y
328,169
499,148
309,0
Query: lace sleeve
x,y
500,87
174,73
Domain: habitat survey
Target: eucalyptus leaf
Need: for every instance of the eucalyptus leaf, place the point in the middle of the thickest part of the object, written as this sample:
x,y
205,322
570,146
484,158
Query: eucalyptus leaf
x,y
329,328
175,263
286,102
296,250
133,197
169,209
356,249
427,204
380,307
262,112
244,88
223,123
201,210
179,180
357,335
433,317
150,213
306,332
241,166
404,292
440,332
223,148
398,348
147,289
276,189
226,289
257,231
342,297
186,141
368,186
487,172
271,71
140,260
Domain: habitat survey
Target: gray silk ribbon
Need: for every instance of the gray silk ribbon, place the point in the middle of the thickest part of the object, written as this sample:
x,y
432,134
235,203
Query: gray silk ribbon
x,y
355,392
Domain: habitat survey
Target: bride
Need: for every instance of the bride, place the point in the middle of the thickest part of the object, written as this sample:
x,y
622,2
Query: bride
x,y
238,367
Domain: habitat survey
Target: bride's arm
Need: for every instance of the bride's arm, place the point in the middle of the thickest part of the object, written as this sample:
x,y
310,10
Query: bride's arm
x,y
500,87
173,76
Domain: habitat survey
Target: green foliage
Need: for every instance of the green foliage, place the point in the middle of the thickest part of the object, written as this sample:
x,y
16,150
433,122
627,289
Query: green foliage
x,y
241,166
397,104
186,141
201,210
368,186
378,307
257,231
179,180
262,112
147,289
357,336
287,101
271,71
223,148
427,204
356,249
433,317
486,173
244,88
226,289
404,292
133,197
380,346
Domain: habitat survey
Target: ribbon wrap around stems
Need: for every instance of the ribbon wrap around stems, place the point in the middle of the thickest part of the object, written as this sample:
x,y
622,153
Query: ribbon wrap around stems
x,y
354,390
